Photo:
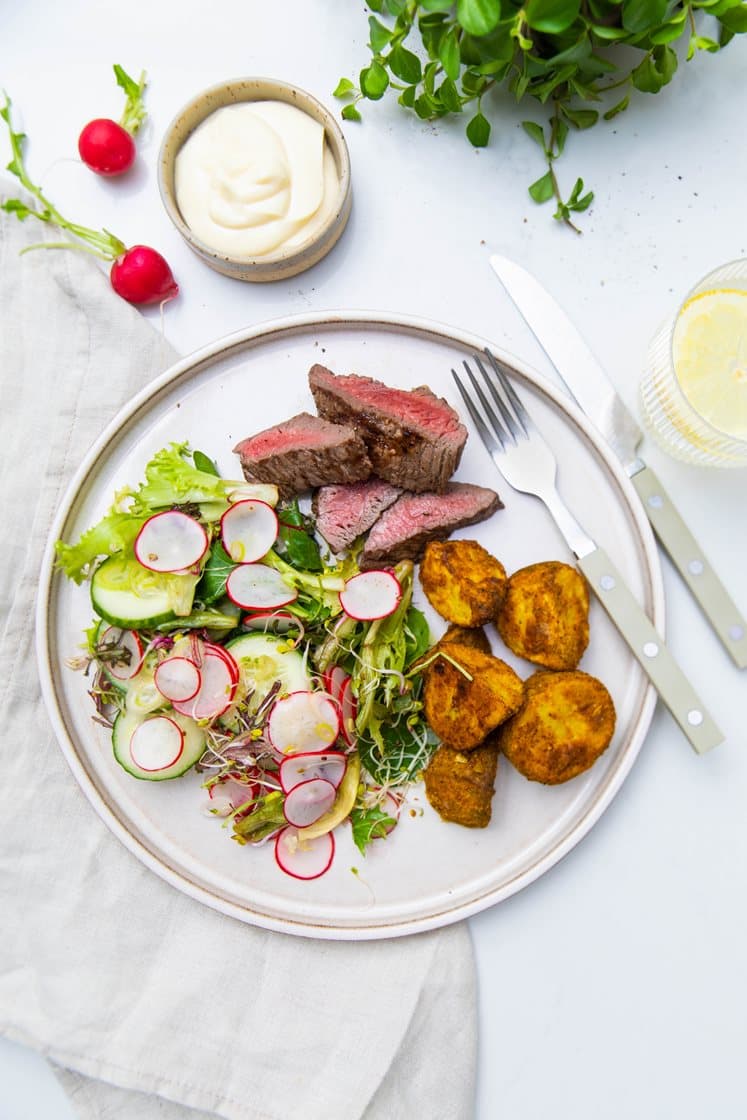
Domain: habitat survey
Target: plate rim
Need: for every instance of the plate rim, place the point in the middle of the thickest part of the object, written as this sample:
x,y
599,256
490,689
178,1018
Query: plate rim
x,y
189,366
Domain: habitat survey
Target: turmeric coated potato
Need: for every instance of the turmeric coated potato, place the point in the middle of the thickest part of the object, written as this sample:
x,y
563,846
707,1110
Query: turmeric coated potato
x,y
565,723
463,705
460,784
544,616
463,582
473,636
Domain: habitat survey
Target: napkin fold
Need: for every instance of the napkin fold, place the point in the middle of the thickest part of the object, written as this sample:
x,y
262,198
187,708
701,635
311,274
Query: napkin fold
x,y
147,1003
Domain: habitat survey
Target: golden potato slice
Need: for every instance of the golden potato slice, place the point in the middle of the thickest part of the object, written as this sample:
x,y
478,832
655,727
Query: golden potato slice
x,y
460,784
464,711
473,636
544,616
463,582
565,723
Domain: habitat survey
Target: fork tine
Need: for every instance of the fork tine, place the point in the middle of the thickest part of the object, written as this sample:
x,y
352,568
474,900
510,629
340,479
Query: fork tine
x,y
491,442
508,418
501,433
502,373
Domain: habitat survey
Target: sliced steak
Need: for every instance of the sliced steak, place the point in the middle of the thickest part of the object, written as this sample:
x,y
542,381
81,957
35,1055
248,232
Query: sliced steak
x,y
414,438
302,453
344,512
402,531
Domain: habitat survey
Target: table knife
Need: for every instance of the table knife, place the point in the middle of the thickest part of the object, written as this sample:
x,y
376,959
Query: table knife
x,y
595,394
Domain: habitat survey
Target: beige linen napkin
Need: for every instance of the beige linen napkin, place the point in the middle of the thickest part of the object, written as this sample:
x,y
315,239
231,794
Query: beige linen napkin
x,y
153,1004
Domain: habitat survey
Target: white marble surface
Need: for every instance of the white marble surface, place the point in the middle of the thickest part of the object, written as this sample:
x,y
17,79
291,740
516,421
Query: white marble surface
x,y
614,986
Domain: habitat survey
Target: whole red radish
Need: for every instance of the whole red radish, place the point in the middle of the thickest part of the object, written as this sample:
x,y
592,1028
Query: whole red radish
x,y
139,274
107,147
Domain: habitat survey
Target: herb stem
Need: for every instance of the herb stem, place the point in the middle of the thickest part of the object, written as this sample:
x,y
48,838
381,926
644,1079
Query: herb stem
x,y
551,156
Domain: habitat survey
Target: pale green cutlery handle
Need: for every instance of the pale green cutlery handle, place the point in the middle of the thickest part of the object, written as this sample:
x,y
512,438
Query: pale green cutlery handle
x,y
649,648
689,560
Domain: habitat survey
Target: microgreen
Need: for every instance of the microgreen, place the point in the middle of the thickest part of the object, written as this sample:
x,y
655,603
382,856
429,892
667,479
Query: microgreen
x,y
441,57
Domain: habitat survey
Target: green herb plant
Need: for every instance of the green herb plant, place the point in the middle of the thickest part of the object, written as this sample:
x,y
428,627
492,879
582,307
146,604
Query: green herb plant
x,y
565,54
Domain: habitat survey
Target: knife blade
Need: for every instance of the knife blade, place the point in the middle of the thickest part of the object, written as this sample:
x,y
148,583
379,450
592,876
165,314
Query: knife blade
x,y
595,394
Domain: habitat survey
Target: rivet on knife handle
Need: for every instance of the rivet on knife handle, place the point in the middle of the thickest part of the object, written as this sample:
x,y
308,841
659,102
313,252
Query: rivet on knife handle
x,y
648,647
688,558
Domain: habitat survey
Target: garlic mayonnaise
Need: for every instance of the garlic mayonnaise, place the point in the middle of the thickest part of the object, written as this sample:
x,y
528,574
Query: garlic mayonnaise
x,y
256,178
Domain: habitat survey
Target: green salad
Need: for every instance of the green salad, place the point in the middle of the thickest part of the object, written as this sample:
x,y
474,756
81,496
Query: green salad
x,y
228,642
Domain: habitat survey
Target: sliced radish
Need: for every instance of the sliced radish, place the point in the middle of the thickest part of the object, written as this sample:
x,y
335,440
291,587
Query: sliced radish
x,y
338,678
348,710
297,768
391,806
170,542
177,678
371,595
217,688
221,651
307,860
156,744
228,796
308,801
248,530
303,722
257,587
128,640
271,622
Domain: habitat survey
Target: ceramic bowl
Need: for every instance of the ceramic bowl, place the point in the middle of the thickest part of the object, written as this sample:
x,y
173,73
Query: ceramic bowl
x,y
283,263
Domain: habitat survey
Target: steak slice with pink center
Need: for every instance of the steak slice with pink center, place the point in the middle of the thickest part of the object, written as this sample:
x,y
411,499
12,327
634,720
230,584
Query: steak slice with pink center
x,y
303,453
344,512
402,531
414,438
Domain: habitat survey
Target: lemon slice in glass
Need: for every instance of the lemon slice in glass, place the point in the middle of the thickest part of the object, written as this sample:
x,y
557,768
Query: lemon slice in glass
x,y
709,351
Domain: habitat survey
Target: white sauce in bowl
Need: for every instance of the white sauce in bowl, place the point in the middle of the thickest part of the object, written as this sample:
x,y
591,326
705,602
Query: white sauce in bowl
x,y
255,179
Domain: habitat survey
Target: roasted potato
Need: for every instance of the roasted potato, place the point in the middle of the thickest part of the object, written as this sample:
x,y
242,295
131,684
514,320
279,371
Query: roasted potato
x,y
565,723
473,636
544,616
460,784
464,711
463,582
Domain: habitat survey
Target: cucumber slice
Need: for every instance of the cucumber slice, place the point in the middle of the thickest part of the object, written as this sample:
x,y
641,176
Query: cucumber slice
x,y
265,658
141,694
126,594
194,744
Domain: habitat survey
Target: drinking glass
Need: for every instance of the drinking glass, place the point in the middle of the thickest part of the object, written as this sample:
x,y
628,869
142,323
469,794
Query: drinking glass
x,y
669,413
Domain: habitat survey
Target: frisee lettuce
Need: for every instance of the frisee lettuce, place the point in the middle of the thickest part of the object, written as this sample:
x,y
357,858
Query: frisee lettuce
x,y
171,479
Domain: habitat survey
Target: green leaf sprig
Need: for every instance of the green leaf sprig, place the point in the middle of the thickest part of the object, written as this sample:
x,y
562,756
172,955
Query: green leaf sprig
x,y
558,52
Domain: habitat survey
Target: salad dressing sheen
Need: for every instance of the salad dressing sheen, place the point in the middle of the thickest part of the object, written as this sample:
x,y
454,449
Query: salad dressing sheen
x,y
255,179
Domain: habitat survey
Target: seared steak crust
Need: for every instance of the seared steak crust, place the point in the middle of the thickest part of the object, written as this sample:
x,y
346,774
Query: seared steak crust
x,y
302,453
414,438
344,512
403,530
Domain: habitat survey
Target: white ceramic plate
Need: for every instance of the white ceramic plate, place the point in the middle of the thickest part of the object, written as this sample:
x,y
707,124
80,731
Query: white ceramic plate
x,y
427,873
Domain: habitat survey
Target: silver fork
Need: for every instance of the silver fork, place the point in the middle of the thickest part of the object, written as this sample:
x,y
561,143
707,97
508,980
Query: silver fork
x,y
523,457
